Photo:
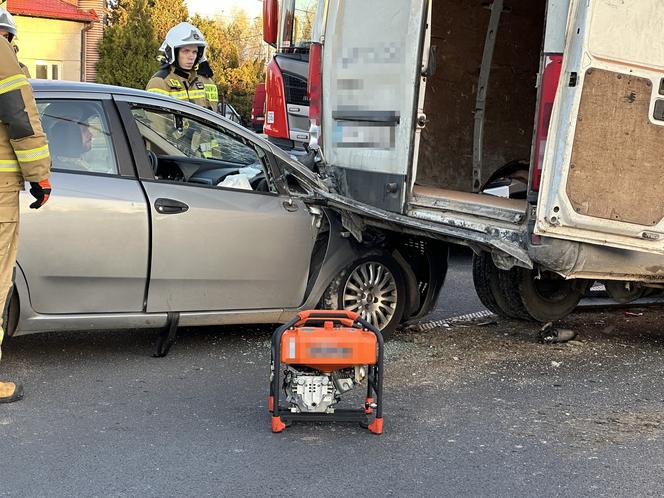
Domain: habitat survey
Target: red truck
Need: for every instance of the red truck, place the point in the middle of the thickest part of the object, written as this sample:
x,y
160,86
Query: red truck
x,y
287,27
258,109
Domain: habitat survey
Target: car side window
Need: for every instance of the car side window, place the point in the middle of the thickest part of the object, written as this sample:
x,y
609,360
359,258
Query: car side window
x,y
186,149
78,135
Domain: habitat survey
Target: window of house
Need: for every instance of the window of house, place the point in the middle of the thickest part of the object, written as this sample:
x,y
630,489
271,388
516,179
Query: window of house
x,y
78,135
193,151
48,70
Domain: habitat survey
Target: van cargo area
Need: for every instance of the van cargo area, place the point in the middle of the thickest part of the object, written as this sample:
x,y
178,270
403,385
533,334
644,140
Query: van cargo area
x,y
459,32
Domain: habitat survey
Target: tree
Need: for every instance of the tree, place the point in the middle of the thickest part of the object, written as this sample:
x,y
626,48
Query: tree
x,y
128,51
166,14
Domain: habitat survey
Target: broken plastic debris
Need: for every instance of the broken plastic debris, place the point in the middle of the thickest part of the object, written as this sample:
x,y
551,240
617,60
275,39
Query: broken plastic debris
x,y
551,335
631,313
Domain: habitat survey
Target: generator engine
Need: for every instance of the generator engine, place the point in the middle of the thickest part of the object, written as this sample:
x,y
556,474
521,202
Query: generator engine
x,y
311,391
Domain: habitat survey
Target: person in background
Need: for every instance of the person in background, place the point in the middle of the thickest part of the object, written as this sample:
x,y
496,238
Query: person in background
x,y
178,78
69,141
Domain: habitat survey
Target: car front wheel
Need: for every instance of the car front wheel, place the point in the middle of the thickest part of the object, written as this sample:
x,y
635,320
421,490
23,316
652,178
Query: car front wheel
x,y
374,288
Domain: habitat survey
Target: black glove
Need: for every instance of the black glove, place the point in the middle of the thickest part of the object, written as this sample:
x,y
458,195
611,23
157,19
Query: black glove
x,y
40,191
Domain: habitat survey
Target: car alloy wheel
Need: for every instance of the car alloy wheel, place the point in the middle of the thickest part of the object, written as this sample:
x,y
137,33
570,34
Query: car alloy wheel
x,y
371,291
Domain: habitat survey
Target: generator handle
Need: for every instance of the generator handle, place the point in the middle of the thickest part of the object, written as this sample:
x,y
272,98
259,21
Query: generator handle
x,y
341,317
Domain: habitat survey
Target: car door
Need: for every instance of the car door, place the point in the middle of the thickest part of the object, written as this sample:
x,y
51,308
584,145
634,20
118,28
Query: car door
x,y
372,76
86,250
217,247
602,175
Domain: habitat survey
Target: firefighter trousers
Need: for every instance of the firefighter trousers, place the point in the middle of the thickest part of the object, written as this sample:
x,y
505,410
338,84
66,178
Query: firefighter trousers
x,y
8,248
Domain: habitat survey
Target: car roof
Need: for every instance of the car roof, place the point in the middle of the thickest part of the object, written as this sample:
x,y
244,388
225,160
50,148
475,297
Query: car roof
x,y
75,86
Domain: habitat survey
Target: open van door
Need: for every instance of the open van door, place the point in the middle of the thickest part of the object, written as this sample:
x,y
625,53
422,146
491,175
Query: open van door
x,y
603,174
372,62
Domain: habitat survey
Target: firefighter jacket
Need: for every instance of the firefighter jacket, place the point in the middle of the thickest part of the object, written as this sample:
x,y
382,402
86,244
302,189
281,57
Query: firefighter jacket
x,y
25,70
179,84
24,154
211,92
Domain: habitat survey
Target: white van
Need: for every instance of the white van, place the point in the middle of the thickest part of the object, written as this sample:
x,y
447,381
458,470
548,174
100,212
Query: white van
x,y
420,106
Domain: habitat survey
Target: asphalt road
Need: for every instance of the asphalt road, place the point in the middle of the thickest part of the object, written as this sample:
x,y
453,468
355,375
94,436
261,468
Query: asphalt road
x,y
470,411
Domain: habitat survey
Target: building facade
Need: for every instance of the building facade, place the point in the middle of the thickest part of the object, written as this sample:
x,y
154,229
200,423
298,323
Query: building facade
x,y
58,39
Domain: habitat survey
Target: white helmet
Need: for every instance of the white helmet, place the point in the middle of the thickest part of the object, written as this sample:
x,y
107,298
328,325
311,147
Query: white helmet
x,y
7,23
179,36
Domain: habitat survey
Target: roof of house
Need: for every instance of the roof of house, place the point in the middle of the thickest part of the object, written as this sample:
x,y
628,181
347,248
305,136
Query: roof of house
x,y
50,9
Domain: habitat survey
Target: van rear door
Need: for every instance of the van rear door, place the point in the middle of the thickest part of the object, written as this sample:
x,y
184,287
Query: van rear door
x,y
603,174
372,65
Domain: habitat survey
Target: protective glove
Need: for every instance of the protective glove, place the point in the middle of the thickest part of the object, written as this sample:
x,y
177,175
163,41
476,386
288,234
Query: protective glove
x,y
40,191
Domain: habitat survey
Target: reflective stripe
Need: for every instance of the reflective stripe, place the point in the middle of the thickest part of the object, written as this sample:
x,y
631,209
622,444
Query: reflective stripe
x,y
12,83
180,94
158,90
9,166
25,156
196,94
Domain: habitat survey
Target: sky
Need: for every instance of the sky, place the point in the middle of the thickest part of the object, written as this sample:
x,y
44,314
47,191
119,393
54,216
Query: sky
x,y
224,7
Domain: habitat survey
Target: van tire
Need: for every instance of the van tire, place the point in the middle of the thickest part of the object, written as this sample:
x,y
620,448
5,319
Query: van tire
x,y
550,297
487,286
509,289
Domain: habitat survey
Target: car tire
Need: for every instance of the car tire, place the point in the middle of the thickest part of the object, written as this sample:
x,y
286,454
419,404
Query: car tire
x,y
548,297
374,287
10,319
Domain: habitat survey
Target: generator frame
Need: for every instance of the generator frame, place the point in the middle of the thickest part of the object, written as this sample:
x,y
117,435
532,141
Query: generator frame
x,y
373,407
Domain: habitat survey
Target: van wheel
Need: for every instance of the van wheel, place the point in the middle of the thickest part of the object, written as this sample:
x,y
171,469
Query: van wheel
x,y
374,287
487,286
547,296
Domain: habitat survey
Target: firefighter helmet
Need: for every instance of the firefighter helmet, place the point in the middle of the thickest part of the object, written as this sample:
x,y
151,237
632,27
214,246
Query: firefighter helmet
x,y
182,35
7,23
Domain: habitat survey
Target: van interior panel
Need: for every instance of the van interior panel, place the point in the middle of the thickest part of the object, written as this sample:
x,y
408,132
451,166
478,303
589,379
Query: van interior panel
x,y
459,29
613,165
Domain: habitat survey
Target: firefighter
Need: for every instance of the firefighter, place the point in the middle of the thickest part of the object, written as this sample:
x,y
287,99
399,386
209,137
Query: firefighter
x,y
8,31
183,49
24,156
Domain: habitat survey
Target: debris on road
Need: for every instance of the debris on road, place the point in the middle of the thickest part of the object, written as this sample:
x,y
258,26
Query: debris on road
x,y
551,335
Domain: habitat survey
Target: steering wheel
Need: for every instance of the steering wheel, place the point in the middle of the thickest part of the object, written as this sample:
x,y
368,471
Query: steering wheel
x,y
154,161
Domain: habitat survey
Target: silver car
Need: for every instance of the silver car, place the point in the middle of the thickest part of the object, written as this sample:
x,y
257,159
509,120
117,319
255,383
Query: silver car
x,y
166,214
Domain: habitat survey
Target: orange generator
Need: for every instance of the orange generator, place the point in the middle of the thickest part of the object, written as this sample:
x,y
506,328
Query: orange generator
x,y
316,358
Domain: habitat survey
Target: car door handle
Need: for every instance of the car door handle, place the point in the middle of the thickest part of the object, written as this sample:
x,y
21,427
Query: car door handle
x,y
170,206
